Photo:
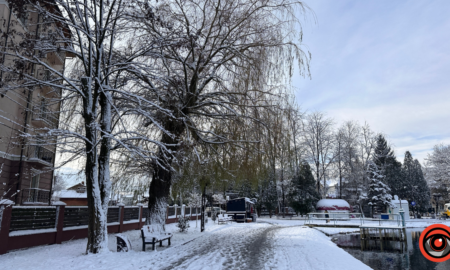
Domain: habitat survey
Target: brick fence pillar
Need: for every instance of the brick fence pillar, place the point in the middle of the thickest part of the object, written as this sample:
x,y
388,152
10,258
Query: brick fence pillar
x,y
121,214
60,208
5,221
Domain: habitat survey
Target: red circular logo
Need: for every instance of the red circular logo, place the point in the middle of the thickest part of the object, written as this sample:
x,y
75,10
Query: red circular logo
x,y
434,243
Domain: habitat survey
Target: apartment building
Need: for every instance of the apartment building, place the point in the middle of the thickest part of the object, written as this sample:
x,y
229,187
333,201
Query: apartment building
x,y
27,158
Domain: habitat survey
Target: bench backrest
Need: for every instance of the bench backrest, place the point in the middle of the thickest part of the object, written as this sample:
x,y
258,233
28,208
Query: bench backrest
x,y
150,231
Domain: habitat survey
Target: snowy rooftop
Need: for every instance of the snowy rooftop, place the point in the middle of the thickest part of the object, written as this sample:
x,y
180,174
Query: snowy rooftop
x,y
332,204
70,194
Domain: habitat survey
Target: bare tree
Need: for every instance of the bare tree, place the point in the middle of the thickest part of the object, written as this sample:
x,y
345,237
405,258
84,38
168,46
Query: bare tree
x,y
438,166
318,140
89,32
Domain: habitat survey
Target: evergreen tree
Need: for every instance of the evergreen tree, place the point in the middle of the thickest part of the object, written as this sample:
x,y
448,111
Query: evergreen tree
x,y
303,195
379,194
382,153
386,161
269,196
415,187
395,178
422,195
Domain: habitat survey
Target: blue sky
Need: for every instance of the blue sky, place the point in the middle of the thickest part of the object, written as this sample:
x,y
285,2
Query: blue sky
x,y
383,62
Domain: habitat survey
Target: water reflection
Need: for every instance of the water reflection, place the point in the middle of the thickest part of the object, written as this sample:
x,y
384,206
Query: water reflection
x,y
396,254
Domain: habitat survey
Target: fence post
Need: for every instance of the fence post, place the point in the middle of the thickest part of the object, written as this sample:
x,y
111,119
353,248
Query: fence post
x,y
141,213
60,208
5,221
121,214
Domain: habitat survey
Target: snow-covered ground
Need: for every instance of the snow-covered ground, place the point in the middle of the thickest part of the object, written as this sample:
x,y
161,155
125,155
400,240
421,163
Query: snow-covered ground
x,y
305,248
267,244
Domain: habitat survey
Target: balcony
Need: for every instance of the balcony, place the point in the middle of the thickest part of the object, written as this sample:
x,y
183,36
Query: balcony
x,y
35,196
42,117
40,154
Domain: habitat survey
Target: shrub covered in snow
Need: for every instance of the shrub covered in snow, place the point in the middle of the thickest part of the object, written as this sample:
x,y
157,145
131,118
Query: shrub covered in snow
x,y
183,223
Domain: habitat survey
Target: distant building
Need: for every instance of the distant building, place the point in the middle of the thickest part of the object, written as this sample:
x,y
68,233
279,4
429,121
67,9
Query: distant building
x,y
73,196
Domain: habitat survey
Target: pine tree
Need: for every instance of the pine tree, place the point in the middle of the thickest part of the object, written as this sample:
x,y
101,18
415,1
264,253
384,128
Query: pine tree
x,y
385,159
408,170
414,185
395,178
382,152
303,195
269,196
421,194
379,194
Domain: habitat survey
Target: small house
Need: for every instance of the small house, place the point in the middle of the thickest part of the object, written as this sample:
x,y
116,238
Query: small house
x,y
73,196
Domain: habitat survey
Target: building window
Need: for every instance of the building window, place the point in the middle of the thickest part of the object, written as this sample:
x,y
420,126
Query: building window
x,y
23,18
47,75
35,181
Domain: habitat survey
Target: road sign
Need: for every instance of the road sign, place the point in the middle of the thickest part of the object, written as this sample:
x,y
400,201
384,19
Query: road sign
x,y
413,203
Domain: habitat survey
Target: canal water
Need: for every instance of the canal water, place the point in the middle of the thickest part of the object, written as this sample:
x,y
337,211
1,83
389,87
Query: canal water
x,y
395,255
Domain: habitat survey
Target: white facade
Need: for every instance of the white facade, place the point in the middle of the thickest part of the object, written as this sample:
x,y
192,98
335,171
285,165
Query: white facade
x,y
397,205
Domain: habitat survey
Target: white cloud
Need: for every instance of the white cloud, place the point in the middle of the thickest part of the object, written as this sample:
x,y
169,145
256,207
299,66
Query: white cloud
x,y
383,62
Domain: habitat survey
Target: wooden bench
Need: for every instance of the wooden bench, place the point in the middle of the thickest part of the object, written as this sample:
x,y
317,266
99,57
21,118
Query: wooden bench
x,y
224,219
149,233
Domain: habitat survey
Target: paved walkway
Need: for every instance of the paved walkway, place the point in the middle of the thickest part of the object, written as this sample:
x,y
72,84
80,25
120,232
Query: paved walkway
x,y
244,247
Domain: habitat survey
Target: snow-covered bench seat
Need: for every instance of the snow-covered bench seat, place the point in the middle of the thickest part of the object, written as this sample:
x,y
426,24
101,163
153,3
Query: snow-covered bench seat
x,y
223,219
150,235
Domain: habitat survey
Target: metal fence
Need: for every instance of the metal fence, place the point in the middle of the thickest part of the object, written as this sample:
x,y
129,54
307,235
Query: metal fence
x,y
341,218
131,213
35,195
32,218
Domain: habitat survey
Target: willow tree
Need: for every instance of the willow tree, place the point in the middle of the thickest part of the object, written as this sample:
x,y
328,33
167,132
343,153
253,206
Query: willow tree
x,y
193,79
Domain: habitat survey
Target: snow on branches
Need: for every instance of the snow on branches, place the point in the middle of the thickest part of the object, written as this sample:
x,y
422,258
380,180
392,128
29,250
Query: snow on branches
x,y
379,192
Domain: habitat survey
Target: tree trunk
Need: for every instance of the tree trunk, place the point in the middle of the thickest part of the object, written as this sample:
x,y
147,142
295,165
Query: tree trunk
x,y
162,175
159,191
97,227
103,161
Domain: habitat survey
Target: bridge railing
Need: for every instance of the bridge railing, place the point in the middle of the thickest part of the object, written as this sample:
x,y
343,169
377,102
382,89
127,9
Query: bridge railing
x,y
346,218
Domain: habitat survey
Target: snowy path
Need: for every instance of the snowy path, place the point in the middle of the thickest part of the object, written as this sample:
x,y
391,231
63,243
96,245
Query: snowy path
x,y
268,244
238,247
